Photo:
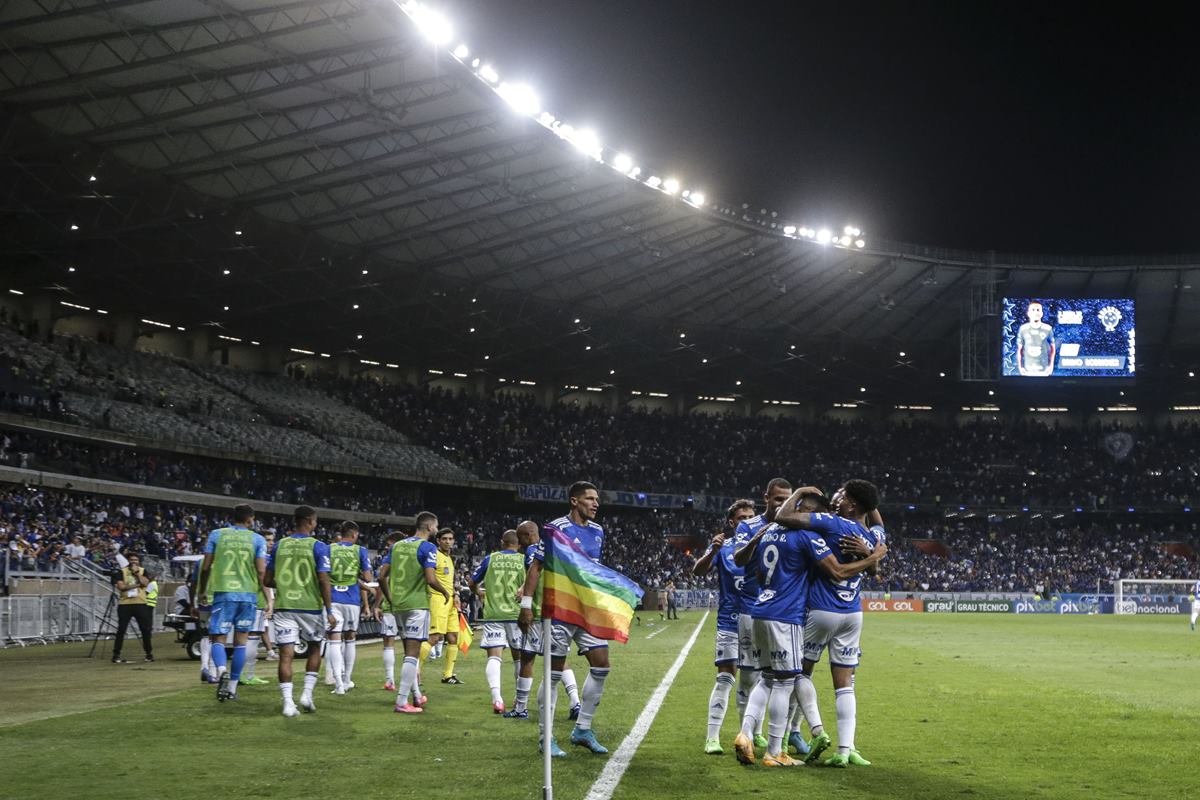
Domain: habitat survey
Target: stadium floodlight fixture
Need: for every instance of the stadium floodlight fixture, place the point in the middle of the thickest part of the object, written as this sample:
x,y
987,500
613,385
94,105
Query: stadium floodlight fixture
x,y
587,141
862,388
15,291
654,181
577,320
487,358
860,244
612,372
941,374
355,306
704,361
1191,374
432,24
670,186
902,354
622,162
74,227
489,74
991,392
824,236
461,52
636,171
472,330
521,97
365,271
91,178
683,336
224,272
358,336
256,344
844,241
587,347
852,231
474,299
225,308
70,269
697,199
737,383
237,233
789,230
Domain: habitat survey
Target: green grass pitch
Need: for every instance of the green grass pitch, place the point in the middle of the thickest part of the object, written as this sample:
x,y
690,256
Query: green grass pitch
x,y
969,706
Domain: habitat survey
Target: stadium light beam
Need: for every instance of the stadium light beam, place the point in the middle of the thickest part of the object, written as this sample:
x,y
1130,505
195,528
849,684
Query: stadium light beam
x,y
670,186
623,162
432,24
521,97
824,236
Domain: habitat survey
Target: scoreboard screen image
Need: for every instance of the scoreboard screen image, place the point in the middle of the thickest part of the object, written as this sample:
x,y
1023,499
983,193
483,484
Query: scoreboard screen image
x,y
1075,337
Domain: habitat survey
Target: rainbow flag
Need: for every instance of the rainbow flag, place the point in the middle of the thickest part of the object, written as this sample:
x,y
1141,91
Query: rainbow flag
x,y
580,591
465,637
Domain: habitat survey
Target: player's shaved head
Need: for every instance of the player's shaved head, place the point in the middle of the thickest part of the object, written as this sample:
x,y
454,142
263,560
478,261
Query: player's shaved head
x,y
508,539
528,533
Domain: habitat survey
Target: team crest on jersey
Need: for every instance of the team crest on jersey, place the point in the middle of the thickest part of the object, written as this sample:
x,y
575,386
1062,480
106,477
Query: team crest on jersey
x,y
766,595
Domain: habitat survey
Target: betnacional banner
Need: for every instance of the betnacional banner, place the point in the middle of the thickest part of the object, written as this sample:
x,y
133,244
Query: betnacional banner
x,y
545,493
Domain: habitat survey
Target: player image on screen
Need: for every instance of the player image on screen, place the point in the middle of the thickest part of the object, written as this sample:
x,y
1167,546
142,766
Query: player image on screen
x,y
1035,344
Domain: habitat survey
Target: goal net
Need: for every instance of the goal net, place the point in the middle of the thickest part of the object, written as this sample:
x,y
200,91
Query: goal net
x,y
1151,595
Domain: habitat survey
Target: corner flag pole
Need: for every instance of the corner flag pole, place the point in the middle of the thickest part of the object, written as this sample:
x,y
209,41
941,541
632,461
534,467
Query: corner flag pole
x,y
549,692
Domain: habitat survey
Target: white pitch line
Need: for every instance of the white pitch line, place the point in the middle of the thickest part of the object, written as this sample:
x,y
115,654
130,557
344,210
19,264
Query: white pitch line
x,y
611,775
656,633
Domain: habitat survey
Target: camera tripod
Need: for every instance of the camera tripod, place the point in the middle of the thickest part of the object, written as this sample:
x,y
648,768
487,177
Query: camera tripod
x,y
105,621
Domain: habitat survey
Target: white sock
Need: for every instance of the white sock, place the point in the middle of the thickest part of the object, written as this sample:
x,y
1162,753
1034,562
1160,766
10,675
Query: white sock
x,y
756,708
516,668
568,680
389,664
593,690
718,702
285,689
333,662
524,685
777,707
806,697
746,680
349,652
795,714
546,704
847,718
493,670
206,655
408,674
310,680
251,658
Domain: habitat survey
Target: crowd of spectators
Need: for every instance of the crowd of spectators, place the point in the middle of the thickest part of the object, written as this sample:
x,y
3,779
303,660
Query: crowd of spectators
x,y
42,529
1042,555
511,437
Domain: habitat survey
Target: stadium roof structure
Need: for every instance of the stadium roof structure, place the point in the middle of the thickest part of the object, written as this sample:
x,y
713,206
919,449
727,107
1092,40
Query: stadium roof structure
x,y
317,174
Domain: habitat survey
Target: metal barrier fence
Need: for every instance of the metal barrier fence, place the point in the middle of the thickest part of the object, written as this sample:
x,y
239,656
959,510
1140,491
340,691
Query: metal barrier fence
x,y
28,619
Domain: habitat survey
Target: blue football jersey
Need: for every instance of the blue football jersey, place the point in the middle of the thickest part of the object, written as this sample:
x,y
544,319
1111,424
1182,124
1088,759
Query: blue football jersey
x,y
782,562
535,552
824,593
729,587
589,538
743,533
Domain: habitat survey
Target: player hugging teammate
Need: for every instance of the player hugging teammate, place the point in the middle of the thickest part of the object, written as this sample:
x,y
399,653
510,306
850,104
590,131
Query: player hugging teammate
x,y
804,567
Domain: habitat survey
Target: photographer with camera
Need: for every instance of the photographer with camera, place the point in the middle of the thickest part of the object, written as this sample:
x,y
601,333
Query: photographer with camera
x,y
131,582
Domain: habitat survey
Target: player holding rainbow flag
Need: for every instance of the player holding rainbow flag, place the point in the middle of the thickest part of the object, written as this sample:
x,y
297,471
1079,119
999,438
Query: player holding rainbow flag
x,y
589,603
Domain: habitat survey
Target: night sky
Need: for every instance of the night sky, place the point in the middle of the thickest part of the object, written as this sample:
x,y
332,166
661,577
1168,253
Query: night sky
x,y
1039,127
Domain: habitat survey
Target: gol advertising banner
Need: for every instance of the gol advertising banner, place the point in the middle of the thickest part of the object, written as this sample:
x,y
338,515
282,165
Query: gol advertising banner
x,y
892,605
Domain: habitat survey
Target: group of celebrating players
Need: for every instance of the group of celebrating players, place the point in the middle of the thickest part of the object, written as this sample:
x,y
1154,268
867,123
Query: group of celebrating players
x,y
788,589
788,586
